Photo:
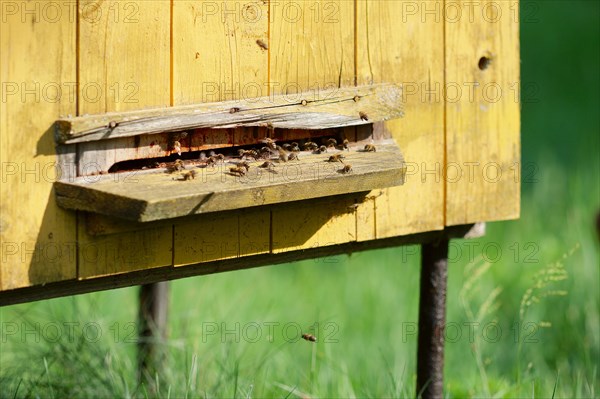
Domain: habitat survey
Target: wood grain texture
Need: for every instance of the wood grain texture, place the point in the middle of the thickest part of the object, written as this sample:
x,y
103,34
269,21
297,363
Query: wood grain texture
x,y
397,44
37,238
216,58
321,109
483,150
139,52
157,194
314,53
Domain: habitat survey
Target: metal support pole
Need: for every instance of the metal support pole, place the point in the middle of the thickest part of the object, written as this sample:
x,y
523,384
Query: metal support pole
x,y
432,317
153,314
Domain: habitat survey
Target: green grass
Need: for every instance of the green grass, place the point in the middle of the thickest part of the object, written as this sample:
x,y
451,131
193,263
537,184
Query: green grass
x,y
542,291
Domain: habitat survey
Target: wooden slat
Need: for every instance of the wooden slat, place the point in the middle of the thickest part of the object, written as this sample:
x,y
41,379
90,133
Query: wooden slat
x,y
319,109
398,42
120,55
483,150
315,53
216,58
37,74
157,194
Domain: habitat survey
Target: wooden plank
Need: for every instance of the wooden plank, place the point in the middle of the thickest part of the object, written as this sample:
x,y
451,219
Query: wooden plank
x,y
37,238
313,53
483,151
398,42
72,287
138,47
158,194
216,58
320,109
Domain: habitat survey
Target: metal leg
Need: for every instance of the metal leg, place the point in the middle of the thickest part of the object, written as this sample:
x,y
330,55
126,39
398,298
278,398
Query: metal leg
x,y
432,317
153,314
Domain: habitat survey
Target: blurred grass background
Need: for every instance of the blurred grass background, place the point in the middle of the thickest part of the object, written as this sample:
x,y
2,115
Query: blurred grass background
x,y
537,303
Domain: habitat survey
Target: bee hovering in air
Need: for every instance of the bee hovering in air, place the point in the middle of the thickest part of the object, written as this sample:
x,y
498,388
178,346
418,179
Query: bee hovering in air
x,y
309,337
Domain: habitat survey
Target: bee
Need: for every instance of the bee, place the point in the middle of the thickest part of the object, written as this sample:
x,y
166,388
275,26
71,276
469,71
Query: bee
x,y
363,116
244,164
347,168
247,153
202,156
262,44
238,171
267,165
370,148
213,159
270,143
283,155
345,144
322,149
293,156
286,146
295,148
176,166
189,175
309,337
177,147
336,158
331,142
310,146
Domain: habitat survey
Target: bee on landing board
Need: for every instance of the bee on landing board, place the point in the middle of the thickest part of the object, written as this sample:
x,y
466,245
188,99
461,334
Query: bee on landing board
x,y
336,158
370,148
346,169
189,175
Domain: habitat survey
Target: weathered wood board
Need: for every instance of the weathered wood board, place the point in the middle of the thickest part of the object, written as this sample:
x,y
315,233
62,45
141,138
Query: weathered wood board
x,y
482,168
321,109
159,194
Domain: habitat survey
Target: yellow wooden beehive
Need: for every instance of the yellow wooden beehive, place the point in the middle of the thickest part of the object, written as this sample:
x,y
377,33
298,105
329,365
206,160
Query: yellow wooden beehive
x,y
458,66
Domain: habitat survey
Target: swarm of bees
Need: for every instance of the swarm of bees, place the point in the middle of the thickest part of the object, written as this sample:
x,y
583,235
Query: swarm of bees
x,y
270,154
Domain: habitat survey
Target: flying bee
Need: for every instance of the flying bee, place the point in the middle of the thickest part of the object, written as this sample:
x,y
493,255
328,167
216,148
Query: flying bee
x,y
238,171
309,337
363,116
347,168
189,175
336,158
370,148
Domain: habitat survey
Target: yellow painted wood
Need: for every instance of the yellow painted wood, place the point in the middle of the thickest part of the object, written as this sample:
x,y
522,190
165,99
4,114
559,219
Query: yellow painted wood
x,y
395,45
312,53
37,238
129,60
483,147
216,58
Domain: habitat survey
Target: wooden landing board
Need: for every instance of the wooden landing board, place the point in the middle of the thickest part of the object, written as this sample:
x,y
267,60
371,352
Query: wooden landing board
x,y
319,109
157,194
